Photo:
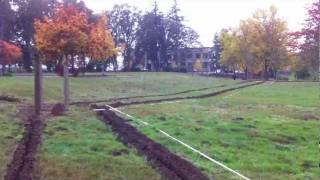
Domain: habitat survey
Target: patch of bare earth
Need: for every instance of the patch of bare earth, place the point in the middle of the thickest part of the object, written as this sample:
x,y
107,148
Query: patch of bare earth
x,y
9,98
24,158
170,165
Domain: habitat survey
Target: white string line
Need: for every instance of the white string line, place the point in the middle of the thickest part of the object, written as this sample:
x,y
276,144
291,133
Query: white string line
x,y
233,94
96,110
172,102
114,109
155,104
204,155
237,92
184,144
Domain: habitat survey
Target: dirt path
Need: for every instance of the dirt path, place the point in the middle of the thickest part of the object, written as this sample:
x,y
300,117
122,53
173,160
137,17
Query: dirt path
x,y
170,165
157,95
121,104
24,157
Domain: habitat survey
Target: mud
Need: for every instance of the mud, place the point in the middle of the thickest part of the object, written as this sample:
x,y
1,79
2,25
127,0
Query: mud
x,y
170,165
9,99
24,158
58,109
121,104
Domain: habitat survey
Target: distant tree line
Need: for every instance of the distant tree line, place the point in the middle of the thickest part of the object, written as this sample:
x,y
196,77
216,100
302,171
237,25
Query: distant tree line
x,y
16,24
262,46
145,39
307,44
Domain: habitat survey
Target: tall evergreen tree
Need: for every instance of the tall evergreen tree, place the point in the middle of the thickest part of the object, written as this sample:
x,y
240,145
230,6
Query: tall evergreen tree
x,y
159,35
6,20
217,50
174,28
151,39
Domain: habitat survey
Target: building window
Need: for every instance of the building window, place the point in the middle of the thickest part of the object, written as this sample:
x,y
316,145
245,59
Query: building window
x,y
205,55
198,55
183,56
189,66
189,56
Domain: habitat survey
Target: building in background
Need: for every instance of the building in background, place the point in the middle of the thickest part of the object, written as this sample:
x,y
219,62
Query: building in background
x,y
185,59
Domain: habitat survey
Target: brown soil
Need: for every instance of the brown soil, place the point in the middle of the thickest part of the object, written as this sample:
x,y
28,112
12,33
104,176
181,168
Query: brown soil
x,y
58,109
170,165
120,152
24,158
9,99
310,117
121,104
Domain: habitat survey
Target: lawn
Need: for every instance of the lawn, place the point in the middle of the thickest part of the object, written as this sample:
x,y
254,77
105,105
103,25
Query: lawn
x,y
265,132
114,85
79,146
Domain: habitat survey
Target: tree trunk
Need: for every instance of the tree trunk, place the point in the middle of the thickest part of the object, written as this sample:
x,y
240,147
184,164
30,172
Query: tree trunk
x,y
246,74
3,69
84,68
126,60
37,86
319,51
28,56
66,82
266,76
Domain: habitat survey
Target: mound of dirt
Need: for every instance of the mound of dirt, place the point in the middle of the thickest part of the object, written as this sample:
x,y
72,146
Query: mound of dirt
x,y
170,165
9,99
58,109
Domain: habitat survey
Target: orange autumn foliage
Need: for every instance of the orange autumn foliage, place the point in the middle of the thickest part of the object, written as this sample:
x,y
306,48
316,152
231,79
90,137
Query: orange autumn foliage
x,y
68,33
100,41
9,53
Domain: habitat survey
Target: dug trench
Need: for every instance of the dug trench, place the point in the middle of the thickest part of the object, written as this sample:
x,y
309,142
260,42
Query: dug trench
x,y
156,95
121,104
170,165
24,158
11,99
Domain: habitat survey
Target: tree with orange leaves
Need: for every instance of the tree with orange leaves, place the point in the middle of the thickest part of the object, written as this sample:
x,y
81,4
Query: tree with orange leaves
x,y
68,34
64,35
9,54
100,41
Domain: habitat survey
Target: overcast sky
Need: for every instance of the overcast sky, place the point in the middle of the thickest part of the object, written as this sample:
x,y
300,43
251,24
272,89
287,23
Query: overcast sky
x,y
209,16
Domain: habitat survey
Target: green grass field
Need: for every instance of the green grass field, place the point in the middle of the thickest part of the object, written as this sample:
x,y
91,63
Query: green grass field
x,y
10,133
270,131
